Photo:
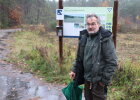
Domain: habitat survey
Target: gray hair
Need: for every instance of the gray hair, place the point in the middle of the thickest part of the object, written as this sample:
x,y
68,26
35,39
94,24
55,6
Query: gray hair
x,y
94,15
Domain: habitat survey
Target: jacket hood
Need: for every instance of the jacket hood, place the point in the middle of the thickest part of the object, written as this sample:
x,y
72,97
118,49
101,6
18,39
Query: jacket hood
x,y
105,34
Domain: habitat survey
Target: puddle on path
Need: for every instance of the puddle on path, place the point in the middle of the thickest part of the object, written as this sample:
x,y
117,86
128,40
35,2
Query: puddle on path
x,y
17,89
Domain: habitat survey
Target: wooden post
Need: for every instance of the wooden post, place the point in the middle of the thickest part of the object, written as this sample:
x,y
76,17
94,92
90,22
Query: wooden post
x,y
115,21
60,23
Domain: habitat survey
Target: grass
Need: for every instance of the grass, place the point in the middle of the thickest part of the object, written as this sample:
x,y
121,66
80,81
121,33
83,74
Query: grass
x,y
128,47
125,84
38,54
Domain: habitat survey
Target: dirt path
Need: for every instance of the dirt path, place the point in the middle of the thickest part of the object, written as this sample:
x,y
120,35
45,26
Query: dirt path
x,y
16,85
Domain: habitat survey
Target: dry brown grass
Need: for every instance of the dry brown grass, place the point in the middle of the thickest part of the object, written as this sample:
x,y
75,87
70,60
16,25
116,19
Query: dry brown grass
x,y
128,46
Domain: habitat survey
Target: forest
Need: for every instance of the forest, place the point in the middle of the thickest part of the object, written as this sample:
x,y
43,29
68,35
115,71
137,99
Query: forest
x,y
34,12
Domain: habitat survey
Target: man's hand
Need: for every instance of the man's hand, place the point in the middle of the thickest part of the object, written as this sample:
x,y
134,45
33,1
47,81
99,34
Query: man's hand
x,y
72,75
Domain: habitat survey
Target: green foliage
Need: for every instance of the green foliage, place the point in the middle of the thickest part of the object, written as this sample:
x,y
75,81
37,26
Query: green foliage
x,y
126,73
40,54
46,66
35,61
128,78
133,90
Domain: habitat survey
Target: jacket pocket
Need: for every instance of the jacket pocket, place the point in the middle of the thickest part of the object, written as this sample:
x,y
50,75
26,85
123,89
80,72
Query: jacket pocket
x,y
98,90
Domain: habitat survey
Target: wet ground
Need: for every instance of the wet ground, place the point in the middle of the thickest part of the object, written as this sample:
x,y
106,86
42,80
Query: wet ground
x,y
17,85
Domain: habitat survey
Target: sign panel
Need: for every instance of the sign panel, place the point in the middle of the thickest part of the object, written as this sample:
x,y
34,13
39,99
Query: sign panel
x,y
59,14
74,19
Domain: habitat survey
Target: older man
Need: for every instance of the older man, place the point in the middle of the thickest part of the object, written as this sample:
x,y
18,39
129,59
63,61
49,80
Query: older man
x,y
96,59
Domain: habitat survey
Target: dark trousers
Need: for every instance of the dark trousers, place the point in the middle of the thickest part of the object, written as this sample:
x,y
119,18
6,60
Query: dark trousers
x,y
96,92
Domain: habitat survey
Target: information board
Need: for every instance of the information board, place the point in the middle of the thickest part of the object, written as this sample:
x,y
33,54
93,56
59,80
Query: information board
x,y
74,19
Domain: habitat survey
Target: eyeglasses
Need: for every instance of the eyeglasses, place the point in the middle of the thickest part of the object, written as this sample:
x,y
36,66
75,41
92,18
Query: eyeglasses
x,y
91,24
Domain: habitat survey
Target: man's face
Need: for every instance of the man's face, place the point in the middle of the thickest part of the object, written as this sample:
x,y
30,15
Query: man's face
x,y
92,25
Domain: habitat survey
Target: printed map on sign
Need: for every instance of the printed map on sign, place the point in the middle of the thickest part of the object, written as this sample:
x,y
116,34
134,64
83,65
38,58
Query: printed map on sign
x,y
74,19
